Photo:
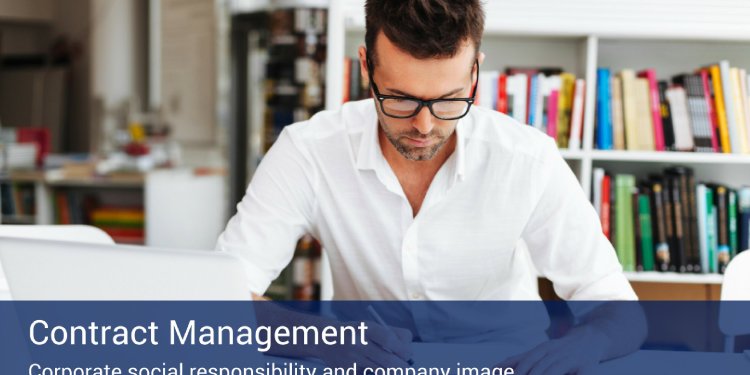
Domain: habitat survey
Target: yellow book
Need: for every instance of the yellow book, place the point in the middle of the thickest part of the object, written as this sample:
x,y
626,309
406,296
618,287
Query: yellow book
x,y
630,113
617,120
643,115
739,108
564,108
721,114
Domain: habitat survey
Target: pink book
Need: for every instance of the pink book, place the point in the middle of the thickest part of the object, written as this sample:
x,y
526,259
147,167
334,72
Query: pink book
x,y
552,113
650,75
711,110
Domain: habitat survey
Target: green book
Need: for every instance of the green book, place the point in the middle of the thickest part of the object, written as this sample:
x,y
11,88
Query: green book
x,y
647,238
624,235
732,209
711,230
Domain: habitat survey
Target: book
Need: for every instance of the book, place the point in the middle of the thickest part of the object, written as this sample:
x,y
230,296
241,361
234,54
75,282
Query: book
x,y
738,143
702,226
618,124
516,87
732,222
637,235
597,189
650,76
723,251
486,96
699,116
645,127
624,235
712,230
721,115
629,109
739,109
666,116
552,117
693,221
576,119
710,105
565,108
661,251
533,98
684,217
603,114
502,94
647,238
743,221
605,206
683,135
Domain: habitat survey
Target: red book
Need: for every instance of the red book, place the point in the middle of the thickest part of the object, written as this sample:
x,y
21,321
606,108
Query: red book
x,y
711,110
502,93
552,113
40,136
347,79
650,75
606,181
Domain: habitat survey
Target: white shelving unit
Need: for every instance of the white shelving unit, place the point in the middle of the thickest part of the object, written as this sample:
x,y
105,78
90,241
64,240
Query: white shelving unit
x,y
672,36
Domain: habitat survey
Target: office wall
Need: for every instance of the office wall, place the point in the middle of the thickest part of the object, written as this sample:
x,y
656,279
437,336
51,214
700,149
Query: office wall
x,y
27,10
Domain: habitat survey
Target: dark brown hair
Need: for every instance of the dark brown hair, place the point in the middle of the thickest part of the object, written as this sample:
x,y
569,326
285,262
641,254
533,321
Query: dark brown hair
x,y
424,28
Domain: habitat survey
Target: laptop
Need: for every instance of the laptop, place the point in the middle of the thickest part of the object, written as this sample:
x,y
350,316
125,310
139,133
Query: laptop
x,y
60,270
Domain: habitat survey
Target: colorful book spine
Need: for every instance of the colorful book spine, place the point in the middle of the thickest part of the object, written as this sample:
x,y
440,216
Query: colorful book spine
x,y
618,122
744,218
576,119
624,235
723,250
732,216
650,75
603,110
721,113
647,238
711,106
662,244
666,116
605,206
552,113
565,108
734,131
700,192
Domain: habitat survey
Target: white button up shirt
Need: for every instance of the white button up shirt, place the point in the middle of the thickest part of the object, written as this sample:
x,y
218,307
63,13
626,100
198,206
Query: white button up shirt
x,y
505,184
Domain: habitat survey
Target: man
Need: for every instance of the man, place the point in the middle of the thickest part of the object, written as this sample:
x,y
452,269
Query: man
x,y
417,194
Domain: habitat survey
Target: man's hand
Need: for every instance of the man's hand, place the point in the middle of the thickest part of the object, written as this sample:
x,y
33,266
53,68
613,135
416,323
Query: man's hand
x,y
383,349
578,352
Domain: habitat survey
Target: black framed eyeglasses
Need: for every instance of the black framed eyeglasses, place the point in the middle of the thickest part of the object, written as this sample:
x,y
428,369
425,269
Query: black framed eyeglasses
x,y
406,107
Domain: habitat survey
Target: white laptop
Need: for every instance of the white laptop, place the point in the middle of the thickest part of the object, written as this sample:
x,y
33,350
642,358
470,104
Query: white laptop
x,y
58,270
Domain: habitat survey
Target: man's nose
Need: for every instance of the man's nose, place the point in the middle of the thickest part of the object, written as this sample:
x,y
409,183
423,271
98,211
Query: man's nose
x,y
423,121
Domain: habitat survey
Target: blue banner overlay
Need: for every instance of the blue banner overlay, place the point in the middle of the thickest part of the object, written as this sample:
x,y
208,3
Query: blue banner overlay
x,y
373,338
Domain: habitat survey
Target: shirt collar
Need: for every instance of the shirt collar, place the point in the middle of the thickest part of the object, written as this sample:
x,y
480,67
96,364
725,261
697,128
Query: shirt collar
x,y
370,154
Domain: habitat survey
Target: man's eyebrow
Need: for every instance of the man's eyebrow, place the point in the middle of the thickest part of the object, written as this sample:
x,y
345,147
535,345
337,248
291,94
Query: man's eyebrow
x,y
402,93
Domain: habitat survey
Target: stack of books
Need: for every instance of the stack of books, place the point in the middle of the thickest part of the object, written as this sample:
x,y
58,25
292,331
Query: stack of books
x,y
668,222
123,224
704,111
545,98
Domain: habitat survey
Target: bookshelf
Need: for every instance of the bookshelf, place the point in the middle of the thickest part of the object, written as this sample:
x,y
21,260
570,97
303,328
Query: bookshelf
x,y
669,36
167,203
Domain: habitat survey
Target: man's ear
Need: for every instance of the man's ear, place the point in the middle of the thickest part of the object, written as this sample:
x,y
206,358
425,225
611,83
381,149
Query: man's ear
x,y
363,64
480,58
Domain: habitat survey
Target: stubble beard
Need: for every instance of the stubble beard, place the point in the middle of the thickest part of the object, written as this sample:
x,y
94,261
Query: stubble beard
x,y
414,153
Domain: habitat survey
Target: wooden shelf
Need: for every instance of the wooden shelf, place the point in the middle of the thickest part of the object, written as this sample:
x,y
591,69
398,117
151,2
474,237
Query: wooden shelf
x,y
669,157
674,278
